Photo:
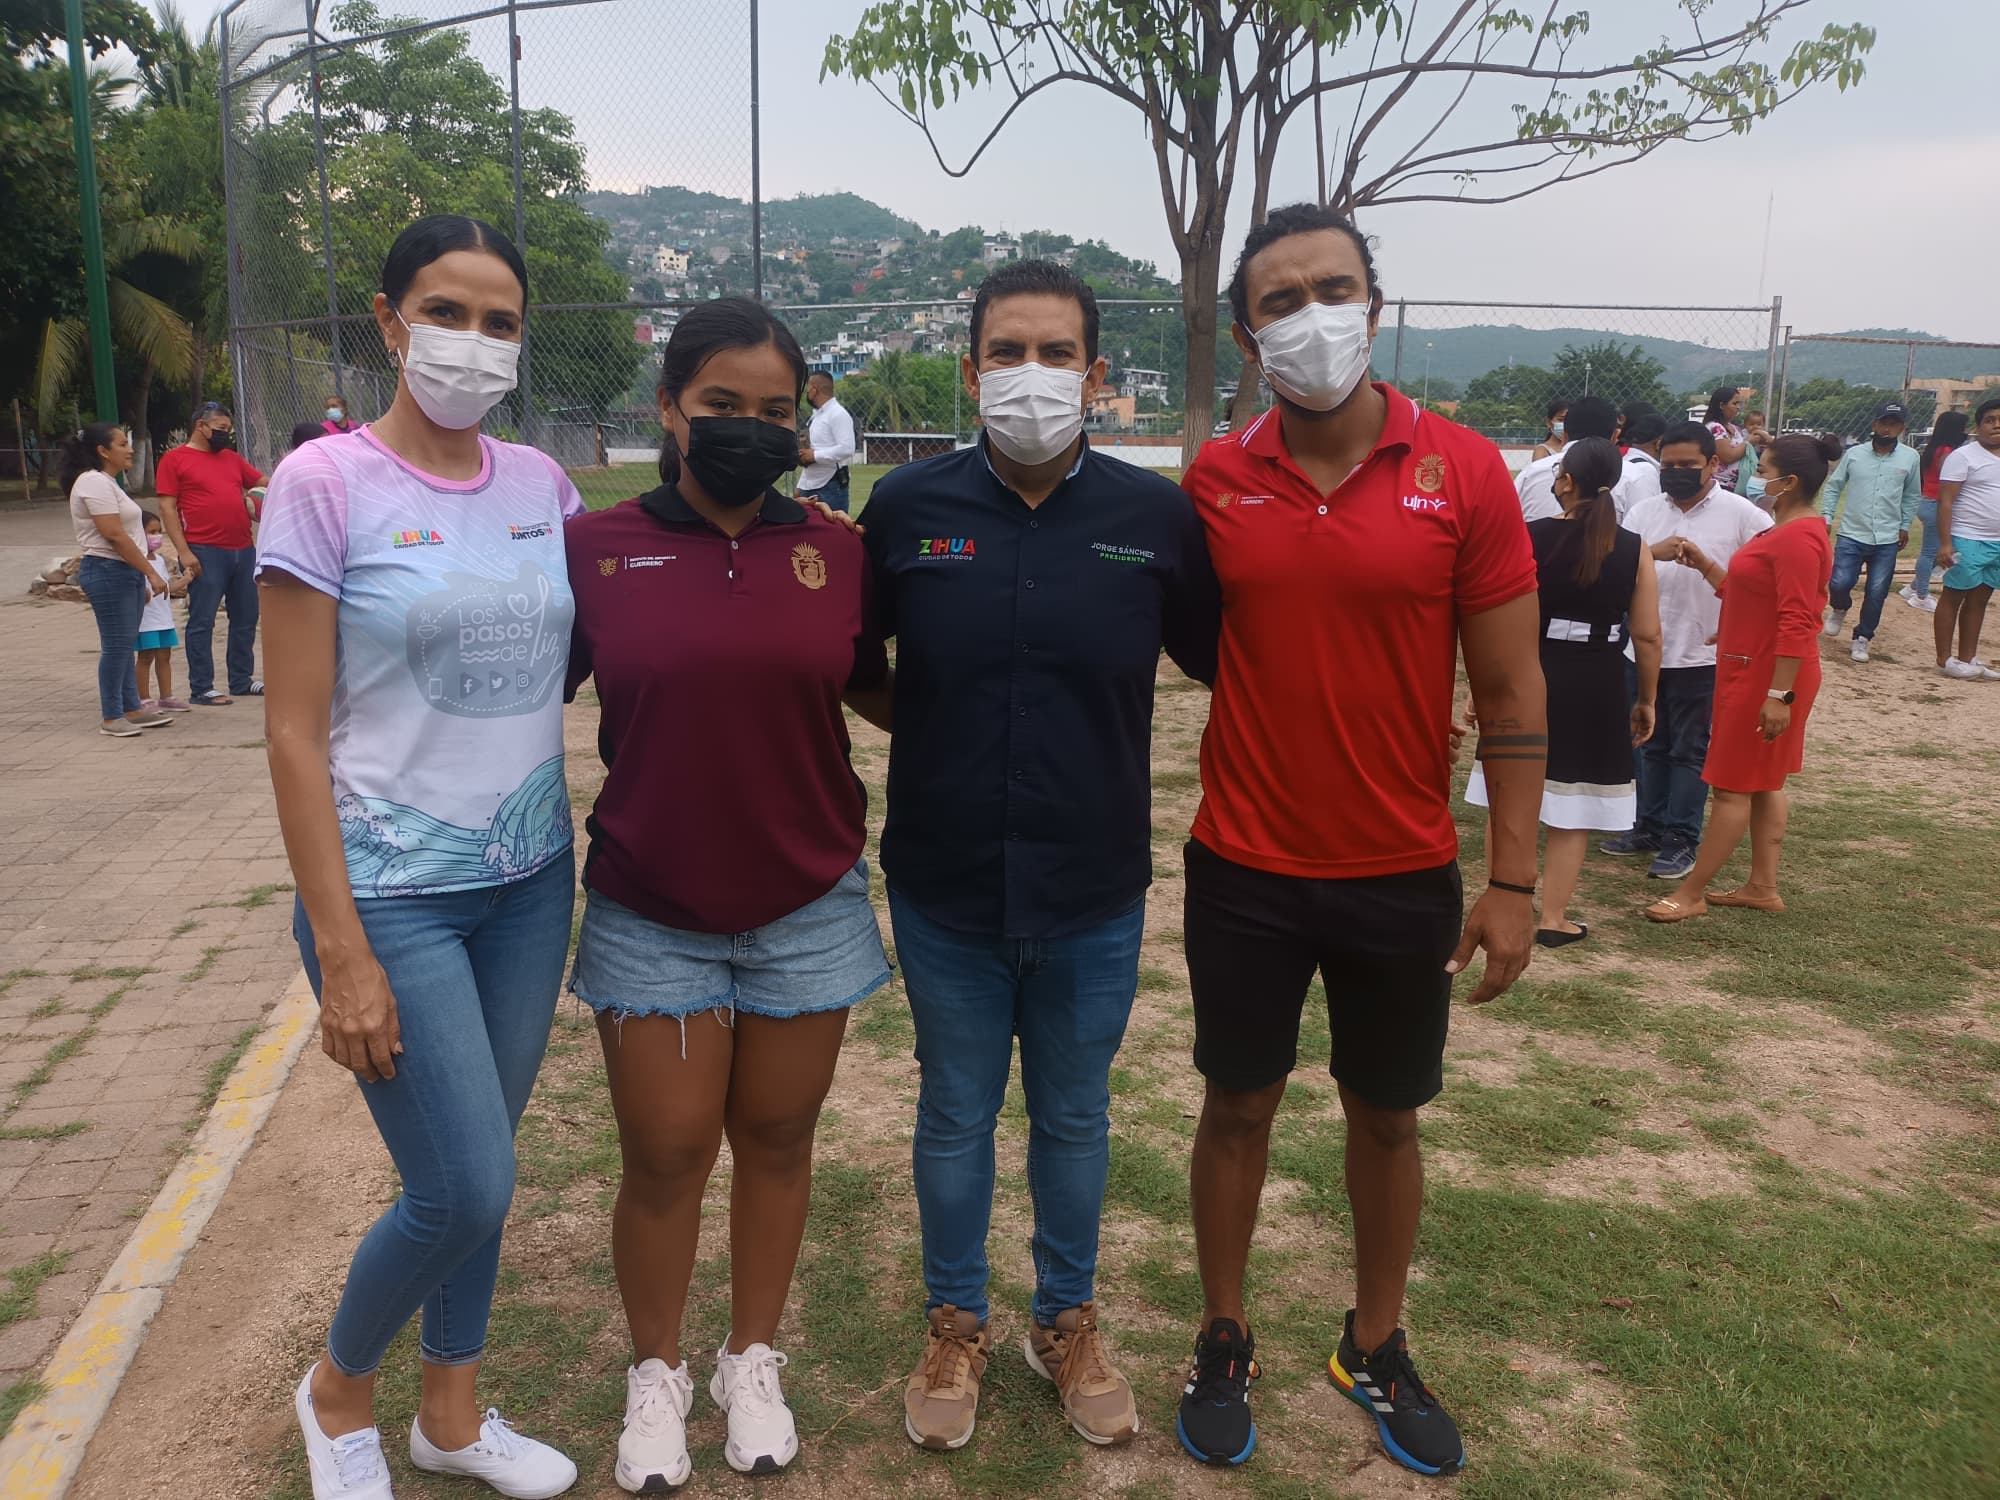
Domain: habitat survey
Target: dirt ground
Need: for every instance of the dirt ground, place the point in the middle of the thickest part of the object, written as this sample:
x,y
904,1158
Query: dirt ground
x,y
205,1410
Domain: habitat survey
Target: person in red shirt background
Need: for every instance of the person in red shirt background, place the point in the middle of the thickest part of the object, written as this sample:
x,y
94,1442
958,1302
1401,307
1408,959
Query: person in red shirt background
x,y
1360,544
206,510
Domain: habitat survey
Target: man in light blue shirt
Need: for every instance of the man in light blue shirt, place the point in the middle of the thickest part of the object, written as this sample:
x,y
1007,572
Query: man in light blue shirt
x,y
1874,490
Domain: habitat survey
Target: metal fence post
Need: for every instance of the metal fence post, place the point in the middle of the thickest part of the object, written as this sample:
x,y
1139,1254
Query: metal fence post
x,y
232,241
756,170
1773,400
1784,382
1909,373
1402,316
325,201
520,217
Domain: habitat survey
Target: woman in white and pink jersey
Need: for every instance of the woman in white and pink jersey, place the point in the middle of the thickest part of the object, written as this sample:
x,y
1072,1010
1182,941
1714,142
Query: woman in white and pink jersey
x,y
417,616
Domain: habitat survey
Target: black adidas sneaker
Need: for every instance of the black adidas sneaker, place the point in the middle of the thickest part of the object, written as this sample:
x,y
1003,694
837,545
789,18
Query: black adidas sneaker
x,y
1417,1431
1215,1423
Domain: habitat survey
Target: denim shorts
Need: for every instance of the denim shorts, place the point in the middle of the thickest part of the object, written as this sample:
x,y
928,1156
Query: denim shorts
x,y
827,955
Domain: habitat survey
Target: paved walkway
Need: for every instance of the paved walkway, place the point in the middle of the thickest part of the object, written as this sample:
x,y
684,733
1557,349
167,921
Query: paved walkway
x,y
145,929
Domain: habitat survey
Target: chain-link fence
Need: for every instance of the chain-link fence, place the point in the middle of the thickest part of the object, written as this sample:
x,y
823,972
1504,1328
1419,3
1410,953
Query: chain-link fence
x,y
347,120
1837,382
1499,367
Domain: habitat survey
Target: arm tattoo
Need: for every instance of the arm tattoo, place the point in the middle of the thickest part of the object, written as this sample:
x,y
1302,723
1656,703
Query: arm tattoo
x,y
1513,746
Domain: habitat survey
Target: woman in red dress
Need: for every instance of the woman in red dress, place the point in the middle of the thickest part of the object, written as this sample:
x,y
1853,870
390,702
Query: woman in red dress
x,y
1766,677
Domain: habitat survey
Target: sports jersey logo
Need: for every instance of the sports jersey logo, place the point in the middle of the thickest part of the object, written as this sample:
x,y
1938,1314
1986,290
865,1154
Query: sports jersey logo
x,y
418,538
1424,504
1224,500
808,566
1430,473
955,548
530,533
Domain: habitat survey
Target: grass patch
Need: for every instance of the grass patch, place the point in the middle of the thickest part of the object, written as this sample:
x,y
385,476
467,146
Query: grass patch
x,y
222,1067
1556,1112
49,1007
108,1004
184,928
24,1283
54,1058
206,964
17,1398
92,971
60,1132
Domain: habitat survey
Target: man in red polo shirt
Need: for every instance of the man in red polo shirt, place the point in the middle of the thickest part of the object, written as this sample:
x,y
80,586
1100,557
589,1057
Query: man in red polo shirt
x,y
1360,544
207,517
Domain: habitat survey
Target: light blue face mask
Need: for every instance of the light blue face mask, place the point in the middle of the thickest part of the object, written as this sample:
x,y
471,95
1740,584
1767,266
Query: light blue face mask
x,y
1753,487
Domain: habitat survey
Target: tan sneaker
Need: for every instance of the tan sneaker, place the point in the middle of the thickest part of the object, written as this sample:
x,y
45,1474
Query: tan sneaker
x,y
1095,1397
941,1399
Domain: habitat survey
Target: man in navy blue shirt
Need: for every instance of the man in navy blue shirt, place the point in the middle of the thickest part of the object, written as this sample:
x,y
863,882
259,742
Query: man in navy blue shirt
x,y
1031,585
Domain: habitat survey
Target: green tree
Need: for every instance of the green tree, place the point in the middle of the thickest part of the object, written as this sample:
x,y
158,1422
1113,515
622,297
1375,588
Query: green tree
x,y
1621,373
900,392
41,253
415,125
1508,403
1501,104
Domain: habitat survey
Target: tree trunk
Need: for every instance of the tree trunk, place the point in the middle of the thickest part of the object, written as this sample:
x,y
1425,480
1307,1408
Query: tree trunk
x,y
142,433
1201,279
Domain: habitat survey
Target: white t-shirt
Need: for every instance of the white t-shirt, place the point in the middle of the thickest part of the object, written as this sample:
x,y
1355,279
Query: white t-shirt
x,y
445,739
1640,481
98,494
1690,610
159,611
1537,488
1975,514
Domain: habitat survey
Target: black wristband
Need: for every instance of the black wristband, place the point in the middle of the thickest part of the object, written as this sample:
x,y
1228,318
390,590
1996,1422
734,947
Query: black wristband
x,y
1508,885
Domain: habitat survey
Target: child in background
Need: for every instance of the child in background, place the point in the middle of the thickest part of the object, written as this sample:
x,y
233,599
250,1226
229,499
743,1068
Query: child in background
x,y
157,636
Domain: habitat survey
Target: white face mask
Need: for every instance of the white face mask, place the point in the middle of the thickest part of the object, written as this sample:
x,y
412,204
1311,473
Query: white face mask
x,y
457,376
1032,413
1316,356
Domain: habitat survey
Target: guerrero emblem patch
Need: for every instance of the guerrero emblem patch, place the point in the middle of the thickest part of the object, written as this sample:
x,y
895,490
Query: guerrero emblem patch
x,y
1430,473
606,566
808,566
1224,500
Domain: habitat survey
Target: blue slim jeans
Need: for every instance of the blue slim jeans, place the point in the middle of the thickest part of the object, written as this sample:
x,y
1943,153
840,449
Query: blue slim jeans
x,y
228,578
117,597
1849,558
475,975
1927,549
1672,795
833,492
1068,999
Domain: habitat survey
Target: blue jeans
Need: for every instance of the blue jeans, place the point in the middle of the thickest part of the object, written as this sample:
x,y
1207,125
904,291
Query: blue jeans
x,y
1672,795
1068,999
117,597
1927,549
833,492
475,975
228,577
1849,558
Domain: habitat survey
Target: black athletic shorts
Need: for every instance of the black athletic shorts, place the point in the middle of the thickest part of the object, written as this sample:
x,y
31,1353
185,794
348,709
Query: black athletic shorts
x,y
1380,942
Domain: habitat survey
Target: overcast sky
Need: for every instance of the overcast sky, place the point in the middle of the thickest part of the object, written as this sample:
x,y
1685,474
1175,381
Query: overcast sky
x,y
1884,199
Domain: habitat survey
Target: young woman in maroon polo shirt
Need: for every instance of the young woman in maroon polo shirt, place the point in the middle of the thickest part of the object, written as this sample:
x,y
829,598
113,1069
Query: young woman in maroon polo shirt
x,y
728,928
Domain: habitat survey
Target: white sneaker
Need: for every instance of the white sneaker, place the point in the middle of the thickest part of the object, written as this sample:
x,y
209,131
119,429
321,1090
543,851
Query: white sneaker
x,y
1924,602
653,1448
762,1436
349,1467
1836,621
516,1466
1981,672
1859,652
1964,671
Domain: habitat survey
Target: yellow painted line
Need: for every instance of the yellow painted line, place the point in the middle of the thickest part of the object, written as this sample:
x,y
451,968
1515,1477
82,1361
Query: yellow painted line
x,y
45,1448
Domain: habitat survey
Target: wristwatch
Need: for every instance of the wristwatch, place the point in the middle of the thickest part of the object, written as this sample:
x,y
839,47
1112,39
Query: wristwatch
x,y
1785,696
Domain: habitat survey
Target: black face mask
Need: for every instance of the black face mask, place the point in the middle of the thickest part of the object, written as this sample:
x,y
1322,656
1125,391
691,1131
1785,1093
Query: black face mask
x,y
736,459
1681,484
220,442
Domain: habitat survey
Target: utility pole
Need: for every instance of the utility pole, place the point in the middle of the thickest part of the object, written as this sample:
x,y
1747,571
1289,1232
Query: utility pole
x,y
93,230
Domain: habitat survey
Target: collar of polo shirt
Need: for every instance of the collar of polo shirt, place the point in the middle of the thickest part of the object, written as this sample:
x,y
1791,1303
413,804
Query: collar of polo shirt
x,y
986,453
665,504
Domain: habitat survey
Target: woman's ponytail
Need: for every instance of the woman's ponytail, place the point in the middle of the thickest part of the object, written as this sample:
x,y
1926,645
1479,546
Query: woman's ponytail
x,y
1594,465
79,456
